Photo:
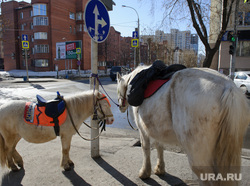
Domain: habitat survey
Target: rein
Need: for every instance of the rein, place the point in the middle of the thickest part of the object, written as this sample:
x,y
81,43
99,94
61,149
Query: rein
x,y
123,102
101,122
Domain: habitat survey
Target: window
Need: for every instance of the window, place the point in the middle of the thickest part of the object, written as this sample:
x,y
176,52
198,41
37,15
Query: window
x,y
243,48
244,18
79,28
72,15
41,62
79,16
241,76
31,13
40,35
41,49
22,27
31,26
39,9
21,15
70,29
40,21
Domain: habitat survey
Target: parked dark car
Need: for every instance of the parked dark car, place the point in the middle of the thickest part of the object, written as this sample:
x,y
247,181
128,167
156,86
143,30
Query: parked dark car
x,y
121,70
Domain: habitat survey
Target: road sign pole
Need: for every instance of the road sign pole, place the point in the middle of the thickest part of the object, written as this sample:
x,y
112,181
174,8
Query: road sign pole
x,y
98,25
26,63
94,123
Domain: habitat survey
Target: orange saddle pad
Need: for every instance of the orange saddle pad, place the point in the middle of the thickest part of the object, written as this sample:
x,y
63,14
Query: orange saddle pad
x,y
35,115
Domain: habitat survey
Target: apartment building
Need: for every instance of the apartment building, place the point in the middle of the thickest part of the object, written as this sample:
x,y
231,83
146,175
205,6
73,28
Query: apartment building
x,y
242,62
46,23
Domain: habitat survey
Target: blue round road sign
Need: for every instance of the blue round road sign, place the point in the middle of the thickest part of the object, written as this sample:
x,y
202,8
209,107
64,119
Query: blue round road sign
x,y
97,20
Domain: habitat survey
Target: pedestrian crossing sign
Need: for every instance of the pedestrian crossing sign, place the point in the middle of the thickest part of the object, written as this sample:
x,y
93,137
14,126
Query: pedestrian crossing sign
x,y
134,42
25,45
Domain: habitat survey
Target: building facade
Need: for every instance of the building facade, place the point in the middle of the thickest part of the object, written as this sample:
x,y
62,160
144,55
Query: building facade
x,y
45,22
223,59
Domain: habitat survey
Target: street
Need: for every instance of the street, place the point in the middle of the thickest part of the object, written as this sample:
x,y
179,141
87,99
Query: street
x,y
17,89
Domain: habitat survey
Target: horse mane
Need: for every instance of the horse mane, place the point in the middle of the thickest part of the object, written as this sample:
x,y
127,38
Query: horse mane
x,y
131,75
81,98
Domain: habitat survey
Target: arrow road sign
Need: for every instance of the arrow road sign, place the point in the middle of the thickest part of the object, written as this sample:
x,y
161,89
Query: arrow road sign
x,y
135,34
97,20
24,37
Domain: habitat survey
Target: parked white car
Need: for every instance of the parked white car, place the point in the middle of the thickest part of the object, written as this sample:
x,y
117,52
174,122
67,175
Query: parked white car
x,y
242,80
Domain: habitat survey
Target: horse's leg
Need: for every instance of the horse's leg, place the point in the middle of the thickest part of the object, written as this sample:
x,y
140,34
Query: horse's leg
x,y
10,147
17,158
66,163
145,171
160,167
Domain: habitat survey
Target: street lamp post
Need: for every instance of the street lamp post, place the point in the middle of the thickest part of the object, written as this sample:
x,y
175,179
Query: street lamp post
x,y
138,21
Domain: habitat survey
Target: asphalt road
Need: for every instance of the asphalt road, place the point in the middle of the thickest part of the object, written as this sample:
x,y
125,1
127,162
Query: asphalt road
x,y
18,89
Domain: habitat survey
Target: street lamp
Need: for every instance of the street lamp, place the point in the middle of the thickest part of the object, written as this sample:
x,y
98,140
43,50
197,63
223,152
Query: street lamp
x,y
138,30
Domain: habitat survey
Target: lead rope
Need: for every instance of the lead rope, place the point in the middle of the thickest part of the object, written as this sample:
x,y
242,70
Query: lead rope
x,y
129,122
71,119
97,77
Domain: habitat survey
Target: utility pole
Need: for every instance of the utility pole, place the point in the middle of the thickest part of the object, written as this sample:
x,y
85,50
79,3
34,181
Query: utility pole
x,y
234,40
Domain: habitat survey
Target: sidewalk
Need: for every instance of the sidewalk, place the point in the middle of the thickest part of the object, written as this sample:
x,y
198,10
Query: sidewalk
x,y
119,163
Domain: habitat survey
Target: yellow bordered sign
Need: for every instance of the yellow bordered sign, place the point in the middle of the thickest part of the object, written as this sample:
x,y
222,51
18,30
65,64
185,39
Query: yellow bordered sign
x,y
134,42
78,50
25,45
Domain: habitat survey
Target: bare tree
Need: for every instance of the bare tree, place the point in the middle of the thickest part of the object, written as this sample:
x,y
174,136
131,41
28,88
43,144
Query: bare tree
x,y
199,11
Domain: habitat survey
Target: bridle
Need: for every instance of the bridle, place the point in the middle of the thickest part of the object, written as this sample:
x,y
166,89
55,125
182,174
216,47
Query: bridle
x,y
98,107
122,97
102,120
123,100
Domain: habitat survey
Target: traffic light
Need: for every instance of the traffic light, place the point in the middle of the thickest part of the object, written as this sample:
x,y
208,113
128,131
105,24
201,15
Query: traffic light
x,y
231,49
230,36
23,53
246,1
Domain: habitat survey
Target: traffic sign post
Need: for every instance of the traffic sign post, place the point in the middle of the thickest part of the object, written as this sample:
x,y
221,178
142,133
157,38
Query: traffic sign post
x,y
98,24
25,47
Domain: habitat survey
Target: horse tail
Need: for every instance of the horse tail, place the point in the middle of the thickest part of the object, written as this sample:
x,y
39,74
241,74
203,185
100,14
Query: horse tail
x,y
2,151
231,130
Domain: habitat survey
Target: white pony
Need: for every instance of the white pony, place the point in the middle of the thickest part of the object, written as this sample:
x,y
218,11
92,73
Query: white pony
x,y
13,127
199,108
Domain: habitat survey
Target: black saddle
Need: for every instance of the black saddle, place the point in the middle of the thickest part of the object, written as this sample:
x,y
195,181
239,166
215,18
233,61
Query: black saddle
x,y
53,108
139,83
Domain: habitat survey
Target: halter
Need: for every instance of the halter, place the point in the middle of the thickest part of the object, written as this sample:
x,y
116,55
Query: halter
x,y
98,107
102,122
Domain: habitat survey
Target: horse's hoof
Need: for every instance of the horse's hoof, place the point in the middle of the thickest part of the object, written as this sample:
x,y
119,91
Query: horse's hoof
x,y
159,170
67,168
20,165
144,174
14,169
71,164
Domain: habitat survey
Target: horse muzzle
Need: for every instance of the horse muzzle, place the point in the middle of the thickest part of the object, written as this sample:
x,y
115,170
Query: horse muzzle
x,y
109,120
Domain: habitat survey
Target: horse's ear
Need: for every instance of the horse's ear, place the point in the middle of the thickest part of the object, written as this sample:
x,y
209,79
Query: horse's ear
x,y
118,76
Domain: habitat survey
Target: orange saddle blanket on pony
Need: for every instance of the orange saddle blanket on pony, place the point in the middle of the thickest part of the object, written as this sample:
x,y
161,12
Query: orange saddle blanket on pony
x,y
35,114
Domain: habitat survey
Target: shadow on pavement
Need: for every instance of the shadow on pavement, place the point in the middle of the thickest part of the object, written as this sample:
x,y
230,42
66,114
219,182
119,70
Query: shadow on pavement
x,y
13,178
172,180
74,178
113,172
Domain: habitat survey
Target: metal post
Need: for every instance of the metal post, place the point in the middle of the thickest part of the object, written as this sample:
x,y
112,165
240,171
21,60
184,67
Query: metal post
x,y
134,57
26,63
236,38
94,124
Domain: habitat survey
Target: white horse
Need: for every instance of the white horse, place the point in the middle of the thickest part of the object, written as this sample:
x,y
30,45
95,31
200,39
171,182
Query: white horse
x,y
200,109
13,127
